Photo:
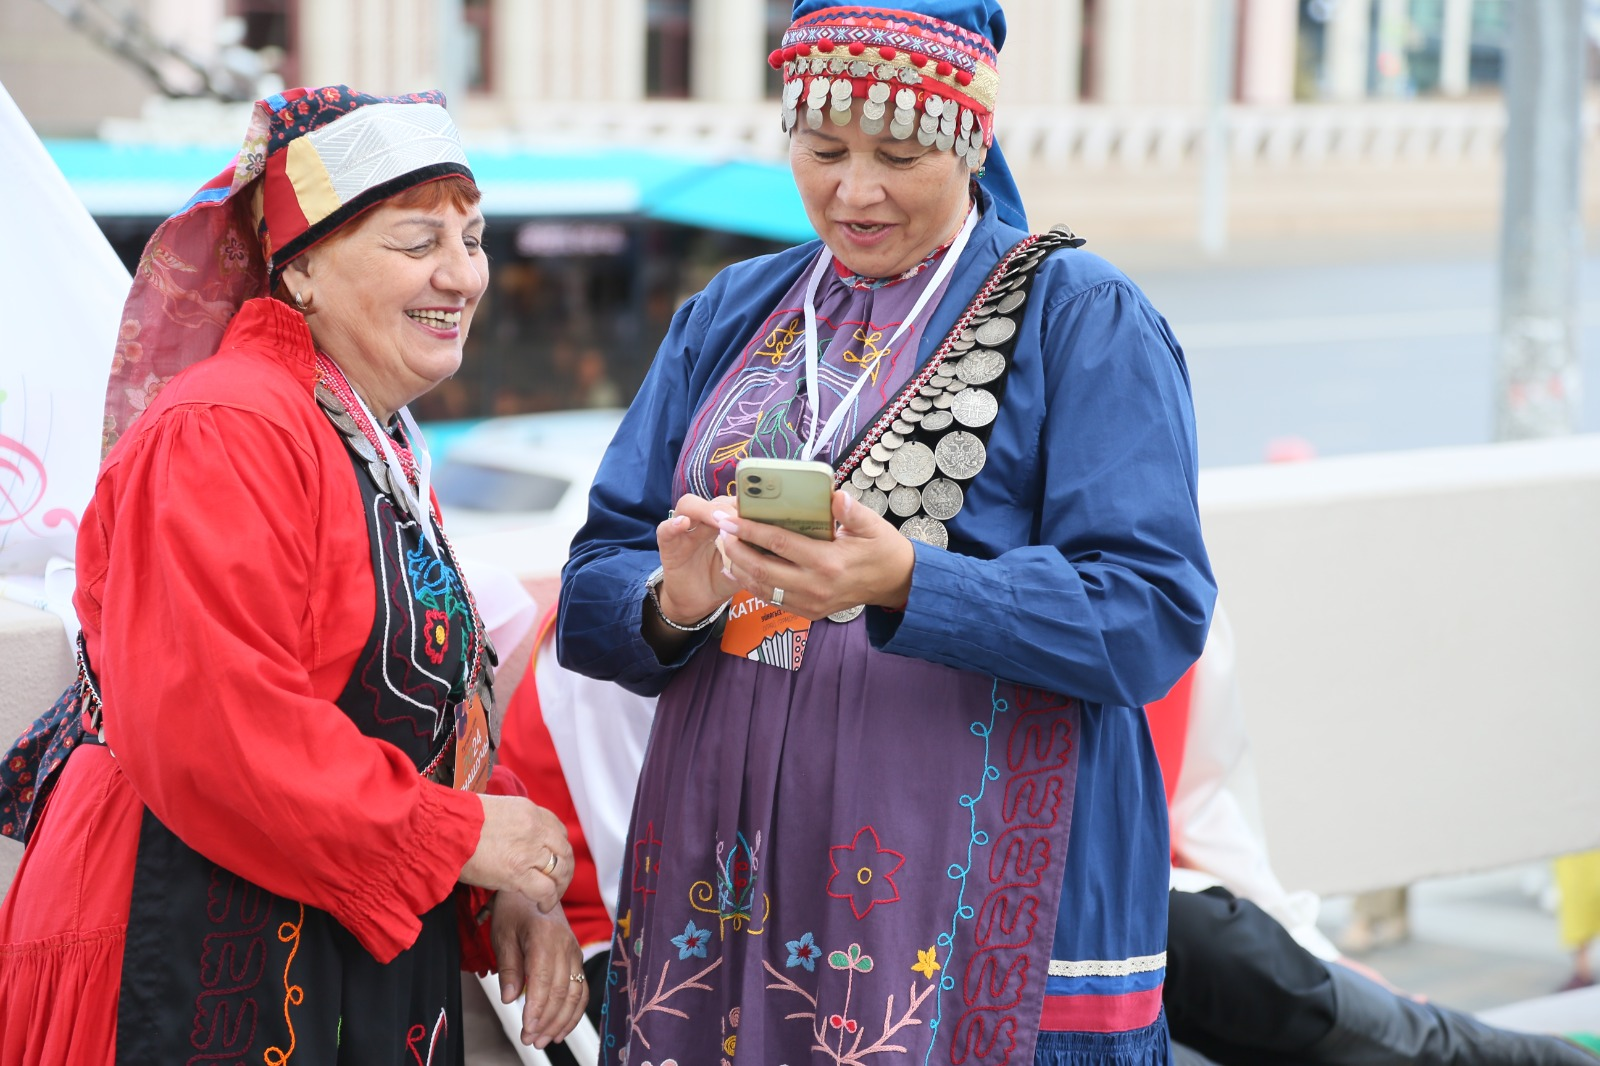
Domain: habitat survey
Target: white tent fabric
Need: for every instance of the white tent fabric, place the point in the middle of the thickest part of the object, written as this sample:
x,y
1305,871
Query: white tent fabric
x,y
55,359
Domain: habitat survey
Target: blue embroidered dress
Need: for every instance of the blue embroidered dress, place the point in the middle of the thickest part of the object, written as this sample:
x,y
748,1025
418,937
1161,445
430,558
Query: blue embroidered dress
x,y
943,838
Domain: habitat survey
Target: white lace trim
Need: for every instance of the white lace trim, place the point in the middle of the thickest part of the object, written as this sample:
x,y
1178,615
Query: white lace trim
x,y
1107,967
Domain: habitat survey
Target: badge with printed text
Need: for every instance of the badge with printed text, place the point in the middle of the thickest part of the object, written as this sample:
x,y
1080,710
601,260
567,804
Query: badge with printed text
x,y
758,630
472,745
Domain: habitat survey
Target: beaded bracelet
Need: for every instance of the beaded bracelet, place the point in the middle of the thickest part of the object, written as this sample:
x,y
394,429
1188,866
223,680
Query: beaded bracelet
x,y
650,585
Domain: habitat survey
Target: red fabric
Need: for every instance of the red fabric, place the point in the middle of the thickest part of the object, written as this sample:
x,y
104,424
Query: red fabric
x,y
526,747
225,591
1100,1014
1169,728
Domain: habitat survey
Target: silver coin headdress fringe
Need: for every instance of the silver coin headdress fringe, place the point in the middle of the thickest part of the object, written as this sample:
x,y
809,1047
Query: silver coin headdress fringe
x,y
915,76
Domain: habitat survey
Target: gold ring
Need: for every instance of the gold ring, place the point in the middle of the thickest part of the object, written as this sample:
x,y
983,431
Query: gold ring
x,y
575,977
550,866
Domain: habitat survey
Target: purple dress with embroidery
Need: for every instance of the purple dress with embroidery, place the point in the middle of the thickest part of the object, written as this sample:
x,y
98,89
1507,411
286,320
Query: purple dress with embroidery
x,y
783,900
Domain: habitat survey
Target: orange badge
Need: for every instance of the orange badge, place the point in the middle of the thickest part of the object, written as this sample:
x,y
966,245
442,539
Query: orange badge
x,y
472,745
758,630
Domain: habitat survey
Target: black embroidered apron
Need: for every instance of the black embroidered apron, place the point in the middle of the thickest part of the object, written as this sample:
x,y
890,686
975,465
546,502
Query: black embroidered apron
x,y
218,970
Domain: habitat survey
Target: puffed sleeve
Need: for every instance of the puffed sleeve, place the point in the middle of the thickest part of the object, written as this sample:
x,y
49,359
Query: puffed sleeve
x,y
1111,599
208,531
600,628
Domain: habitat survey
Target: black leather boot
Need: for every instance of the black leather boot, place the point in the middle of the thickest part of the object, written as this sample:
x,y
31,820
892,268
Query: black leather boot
x,y
1374,1027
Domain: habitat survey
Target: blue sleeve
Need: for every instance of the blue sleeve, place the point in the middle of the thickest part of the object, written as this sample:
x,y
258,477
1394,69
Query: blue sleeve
x,y
599,628
1111,599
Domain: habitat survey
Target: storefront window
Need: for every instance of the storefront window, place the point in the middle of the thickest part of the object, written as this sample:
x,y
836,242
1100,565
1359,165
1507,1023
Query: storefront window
x,y
667,46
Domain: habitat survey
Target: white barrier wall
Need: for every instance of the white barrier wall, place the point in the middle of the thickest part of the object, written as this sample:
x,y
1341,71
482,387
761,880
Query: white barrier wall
x,y
1416,645
1416,640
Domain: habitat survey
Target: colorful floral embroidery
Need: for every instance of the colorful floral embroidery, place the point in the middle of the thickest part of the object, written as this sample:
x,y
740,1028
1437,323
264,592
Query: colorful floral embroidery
x,y
804,952
436,583
851,959
838,1026
927,962
436,635
733,898
692,941
863,872
646,861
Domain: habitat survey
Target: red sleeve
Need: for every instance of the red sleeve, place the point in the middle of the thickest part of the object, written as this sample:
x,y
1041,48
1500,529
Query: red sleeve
x,y
207,632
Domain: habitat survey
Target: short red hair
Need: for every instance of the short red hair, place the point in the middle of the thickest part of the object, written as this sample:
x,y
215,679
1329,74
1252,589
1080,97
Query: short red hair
x,y
459,192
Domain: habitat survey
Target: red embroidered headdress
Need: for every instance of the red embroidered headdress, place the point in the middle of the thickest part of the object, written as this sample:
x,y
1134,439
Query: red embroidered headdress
x,y
312,160
914,75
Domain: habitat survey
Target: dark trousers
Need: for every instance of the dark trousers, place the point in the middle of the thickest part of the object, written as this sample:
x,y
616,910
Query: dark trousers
x,y
1240,991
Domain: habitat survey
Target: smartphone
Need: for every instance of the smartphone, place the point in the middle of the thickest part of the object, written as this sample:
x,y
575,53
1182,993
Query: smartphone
x,y
794,494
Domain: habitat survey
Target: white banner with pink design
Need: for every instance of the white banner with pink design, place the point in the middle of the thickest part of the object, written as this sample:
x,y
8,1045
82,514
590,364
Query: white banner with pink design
x,y
66,287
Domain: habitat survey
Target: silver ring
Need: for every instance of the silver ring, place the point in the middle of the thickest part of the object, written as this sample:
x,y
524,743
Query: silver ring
x,y
777,596
550,865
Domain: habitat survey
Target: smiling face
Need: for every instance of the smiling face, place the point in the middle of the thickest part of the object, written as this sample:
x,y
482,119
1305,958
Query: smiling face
x,y
392,297
878,203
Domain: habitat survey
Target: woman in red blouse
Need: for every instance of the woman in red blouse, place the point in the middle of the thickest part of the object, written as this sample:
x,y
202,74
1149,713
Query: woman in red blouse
x,y
252,853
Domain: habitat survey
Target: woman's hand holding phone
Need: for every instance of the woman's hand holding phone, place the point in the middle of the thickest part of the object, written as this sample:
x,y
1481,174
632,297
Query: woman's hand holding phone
x,y
868,561
693,584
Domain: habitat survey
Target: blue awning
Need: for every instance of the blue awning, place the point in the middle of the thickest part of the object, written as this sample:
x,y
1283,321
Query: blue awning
x,y
746,197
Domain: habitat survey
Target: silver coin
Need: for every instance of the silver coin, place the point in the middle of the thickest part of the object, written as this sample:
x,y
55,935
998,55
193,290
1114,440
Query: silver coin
x,y
871,126
929,391
872,466
942,499
792,91
981,366
963,344
876,500
838,64
814,118
996,331
921,403
840,115
363,447
926,139
912,415
942,401
912,464
878,93
928,124
849,614
859,69
860,478
1011,301
944,142
851,489
880,453
909,76
934,105
934,421
886,482
955,386
900,130
966,120
968,334
939,381
905,100
872,110
902,427
790,117
960,455
905,501
819,90
927,530
891,439
841,91
974,407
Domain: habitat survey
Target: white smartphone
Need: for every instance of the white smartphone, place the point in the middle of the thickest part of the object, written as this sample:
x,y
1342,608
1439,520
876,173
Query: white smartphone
x,y
792,493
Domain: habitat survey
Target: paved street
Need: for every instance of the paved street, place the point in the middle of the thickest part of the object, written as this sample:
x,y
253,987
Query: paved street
x,y
1361,347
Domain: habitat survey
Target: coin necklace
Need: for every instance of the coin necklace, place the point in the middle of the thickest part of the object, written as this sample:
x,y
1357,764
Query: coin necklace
x,y
814,439
913,464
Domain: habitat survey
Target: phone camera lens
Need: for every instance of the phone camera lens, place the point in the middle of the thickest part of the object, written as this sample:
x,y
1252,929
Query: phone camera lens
x,y
754,479
753,490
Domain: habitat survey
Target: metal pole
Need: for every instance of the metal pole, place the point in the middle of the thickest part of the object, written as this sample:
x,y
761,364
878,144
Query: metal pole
x,y
1541,239
1214,182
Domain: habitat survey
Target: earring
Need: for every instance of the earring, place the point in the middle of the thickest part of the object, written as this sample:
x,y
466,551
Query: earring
x,y
981,172
300,304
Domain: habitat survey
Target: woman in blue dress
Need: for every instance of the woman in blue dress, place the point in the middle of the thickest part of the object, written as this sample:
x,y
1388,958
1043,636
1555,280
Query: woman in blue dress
x,y
900,802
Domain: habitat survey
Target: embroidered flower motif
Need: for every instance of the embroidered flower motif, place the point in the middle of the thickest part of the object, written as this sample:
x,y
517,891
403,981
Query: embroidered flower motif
x,y
839,1021
804,952
926,964
863,872
232,256
128,349
646,861
692,941
435,635
851,959
728,1046
625,923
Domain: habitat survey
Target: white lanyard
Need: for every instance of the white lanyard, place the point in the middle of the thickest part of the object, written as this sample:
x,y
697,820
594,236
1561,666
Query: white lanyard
x,y
814,440
420,500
